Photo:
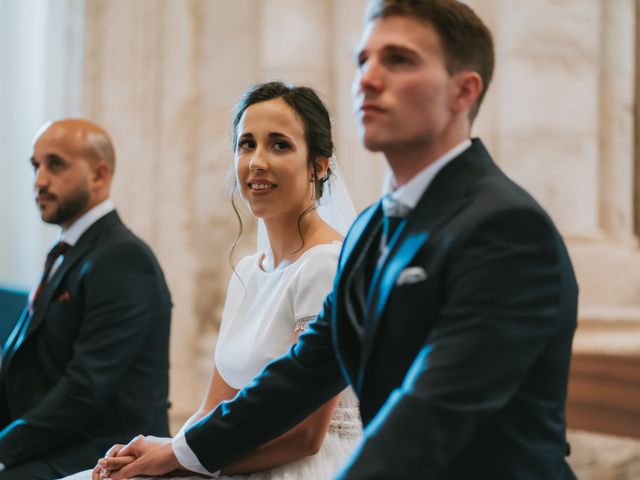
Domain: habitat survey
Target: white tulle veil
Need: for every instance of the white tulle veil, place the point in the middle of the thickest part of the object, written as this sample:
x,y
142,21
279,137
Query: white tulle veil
x,y
334,207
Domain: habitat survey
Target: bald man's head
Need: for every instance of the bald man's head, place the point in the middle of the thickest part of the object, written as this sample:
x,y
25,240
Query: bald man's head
x,y
90,140
73,161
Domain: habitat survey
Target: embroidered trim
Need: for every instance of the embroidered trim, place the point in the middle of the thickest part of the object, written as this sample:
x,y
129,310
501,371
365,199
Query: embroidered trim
x,y
303,323
346,422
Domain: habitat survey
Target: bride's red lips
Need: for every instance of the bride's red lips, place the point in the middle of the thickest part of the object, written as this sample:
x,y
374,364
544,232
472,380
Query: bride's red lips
x,y
260,180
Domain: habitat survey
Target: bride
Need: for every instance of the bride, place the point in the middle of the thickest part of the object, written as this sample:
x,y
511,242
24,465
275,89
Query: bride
x,y
282,148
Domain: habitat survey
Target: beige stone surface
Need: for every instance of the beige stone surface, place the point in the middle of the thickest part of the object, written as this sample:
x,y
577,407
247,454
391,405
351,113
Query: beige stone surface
x,y
604,457
617,84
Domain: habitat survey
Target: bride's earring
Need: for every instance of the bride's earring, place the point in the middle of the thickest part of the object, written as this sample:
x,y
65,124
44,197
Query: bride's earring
x,y
312,181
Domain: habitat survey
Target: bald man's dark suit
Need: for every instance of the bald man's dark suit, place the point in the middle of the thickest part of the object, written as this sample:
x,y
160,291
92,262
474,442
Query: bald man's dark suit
x,y
461,355
89,368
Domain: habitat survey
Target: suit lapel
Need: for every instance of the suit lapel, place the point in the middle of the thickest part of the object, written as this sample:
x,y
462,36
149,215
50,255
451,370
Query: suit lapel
x,y
354,244
7,348
46,296
445,197
347,330
28,324
354,241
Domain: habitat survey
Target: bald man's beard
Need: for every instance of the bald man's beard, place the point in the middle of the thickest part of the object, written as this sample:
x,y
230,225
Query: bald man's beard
x,y
69,208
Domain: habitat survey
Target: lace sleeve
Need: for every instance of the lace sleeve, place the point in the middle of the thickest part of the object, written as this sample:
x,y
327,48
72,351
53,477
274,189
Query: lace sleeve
x,y
303,323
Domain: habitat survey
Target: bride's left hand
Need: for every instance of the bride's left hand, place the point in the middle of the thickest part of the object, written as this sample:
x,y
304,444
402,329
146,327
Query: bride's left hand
x,y
105,466
102,469
152,456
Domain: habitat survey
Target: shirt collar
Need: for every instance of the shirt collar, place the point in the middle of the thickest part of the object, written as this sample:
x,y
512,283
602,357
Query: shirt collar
x,y
72,234
407,196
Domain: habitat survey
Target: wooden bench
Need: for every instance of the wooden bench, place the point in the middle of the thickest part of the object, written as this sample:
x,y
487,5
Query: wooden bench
x,y
604,394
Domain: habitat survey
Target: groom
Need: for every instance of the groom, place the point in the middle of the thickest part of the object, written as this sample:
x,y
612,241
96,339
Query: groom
x,y
454,304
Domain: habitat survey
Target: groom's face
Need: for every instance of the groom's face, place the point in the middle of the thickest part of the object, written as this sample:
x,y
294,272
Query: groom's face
x,y
402,91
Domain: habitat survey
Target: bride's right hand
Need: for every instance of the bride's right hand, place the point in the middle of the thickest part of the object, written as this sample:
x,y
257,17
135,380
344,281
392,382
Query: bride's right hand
x,y
110,462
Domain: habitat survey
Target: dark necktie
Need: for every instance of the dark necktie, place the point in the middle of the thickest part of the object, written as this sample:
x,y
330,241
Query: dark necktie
x,y
372,254
390,225
394,214
58,249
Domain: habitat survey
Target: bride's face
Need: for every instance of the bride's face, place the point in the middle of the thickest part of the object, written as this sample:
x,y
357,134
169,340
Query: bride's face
x,y
271,166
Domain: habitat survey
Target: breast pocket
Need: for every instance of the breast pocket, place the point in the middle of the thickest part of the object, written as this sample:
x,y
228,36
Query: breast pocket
x,y
415,297
62,322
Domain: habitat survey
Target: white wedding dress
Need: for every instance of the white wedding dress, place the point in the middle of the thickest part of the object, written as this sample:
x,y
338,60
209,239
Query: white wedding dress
x,y
262,314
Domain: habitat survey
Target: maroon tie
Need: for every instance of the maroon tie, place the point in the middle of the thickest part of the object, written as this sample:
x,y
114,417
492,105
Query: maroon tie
x,y
58,249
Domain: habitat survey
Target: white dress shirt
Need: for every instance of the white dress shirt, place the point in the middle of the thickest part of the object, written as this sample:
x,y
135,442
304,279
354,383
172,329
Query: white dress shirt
x,y
72,234
410,193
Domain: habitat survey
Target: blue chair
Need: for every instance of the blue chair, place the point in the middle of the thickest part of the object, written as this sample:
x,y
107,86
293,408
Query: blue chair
x,y
12,302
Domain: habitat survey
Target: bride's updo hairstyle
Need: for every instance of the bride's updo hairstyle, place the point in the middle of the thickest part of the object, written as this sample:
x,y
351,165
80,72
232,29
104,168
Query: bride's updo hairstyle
x,y
317,128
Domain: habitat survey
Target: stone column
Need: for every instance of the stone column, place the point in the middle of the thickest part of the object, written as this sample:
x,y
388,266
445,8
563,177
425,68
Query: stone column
x,y
559,120
617,83
162,78
356,162
608,266
542,124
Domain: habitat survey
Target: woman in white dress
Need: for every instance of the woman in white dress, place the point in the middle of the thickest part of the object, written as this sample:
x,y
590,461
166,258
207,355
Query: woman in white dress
x,y
282,149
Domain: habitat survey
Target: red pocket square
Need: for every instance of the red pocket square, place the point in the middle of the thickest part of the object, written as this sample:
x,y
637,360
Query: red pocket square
x,y
65,297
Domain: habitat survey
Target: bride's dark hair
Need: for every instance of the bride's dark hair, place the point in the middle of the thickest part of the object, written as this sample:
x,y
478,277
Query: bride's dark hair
x,y
317,128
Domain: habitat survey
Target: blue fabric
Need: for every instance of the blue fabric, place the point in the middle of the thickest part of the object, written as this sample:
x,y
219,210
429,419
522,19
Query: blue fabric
x,y
11,304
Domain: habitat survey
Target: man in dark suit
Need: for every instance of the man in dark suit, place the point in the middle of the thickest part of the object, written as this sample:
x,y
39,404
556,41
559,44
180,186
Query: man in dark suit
x,y
454,305
87,363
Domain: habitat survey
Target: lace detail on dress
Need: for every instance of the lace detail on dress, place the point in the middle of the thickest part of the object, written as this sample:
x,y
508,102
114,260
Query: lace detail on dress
x,y
346,422
303,323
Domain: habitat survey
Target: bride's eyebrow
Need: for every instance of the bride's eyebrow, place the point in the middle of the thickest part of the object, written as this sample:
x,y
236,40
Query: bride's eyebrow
x,y
277,135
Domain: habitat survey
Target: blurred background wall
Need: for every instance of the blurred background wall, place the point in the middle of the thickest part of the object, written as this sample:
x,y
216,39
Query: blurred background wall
x,y
162,77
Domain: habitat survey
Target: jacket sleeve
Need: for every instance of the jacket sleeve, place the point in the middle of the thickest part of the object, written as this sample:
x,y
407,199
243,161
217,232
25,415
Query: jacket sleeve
x,y
120,294
287,391
503,285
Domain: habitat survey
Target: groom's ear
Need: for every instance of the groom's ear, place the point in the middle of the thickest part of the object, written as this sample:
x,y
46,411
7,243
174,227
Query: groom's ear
x,y
466,88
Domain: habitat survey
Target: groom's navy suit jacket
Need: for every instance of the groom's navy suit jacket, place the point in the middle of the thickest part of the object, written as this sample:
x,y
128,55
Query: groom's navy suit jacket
x,y
461,355
89,368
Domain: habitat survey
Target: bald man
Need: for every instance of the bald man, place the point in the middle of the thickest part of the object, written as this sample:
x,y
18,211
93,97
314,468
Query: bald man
x,y
87,364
